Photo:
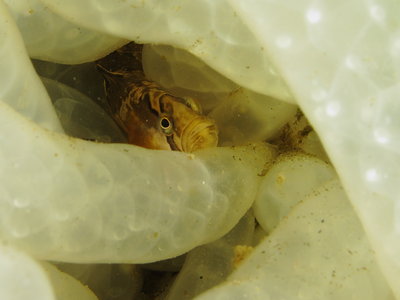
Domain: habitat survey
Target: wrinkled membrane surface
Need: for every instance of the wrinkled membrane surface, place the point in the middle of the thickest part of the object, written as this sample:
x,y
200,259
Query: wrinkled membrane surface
x,y
71,200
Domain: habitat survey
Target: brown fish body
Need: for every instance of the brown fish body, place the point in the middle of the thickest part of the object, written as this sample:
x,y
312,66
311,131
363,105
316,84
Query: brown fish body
x,y
150,116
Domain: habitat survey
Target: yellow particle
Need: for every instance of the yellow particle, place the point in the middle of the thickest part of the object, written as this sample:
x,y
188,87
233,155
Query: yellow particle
x,y
241,252
280,179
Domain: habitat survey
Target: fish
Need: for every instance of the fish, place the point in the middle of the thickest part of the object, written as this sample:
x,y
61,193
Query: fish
x,y
150,116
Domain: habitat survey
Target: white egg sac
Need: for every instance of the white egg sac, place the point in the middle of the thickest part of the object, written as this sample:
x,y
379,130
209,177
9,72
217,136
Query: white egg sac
x,y
326,228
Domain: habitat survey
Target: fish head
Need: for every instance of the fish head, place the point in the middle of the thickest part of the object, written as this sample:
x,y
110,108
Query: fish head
x,y
155,119
184,126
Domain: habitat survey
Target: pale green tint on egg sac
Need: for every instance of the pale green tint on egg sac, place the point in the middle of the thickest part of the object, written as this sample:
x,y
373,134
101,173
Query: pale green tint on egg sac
x,y
118,203
107,281
319,252
242,116
71,200
286,183
80,116
210,264
23,278
185,74
20,87
49,37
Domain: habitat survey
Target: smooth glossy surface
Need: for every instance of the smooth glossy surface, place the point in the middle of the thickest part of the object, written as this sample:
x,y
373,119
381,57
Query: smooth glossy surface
x,y
337,60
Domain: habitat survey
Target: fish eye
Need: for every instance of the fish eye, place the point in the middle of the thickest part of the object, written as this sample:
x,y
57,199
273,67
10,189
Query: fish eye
x,y
166,125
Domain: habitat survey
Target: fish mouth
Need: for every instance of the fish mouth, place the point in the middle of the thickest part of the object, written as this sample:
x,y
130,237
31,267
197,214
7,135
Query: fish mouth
x,y
199,134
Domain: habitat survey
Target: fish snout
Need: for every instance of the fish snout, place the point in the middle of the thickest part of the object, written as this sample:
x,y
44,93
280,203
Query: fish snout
x,y
199,134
